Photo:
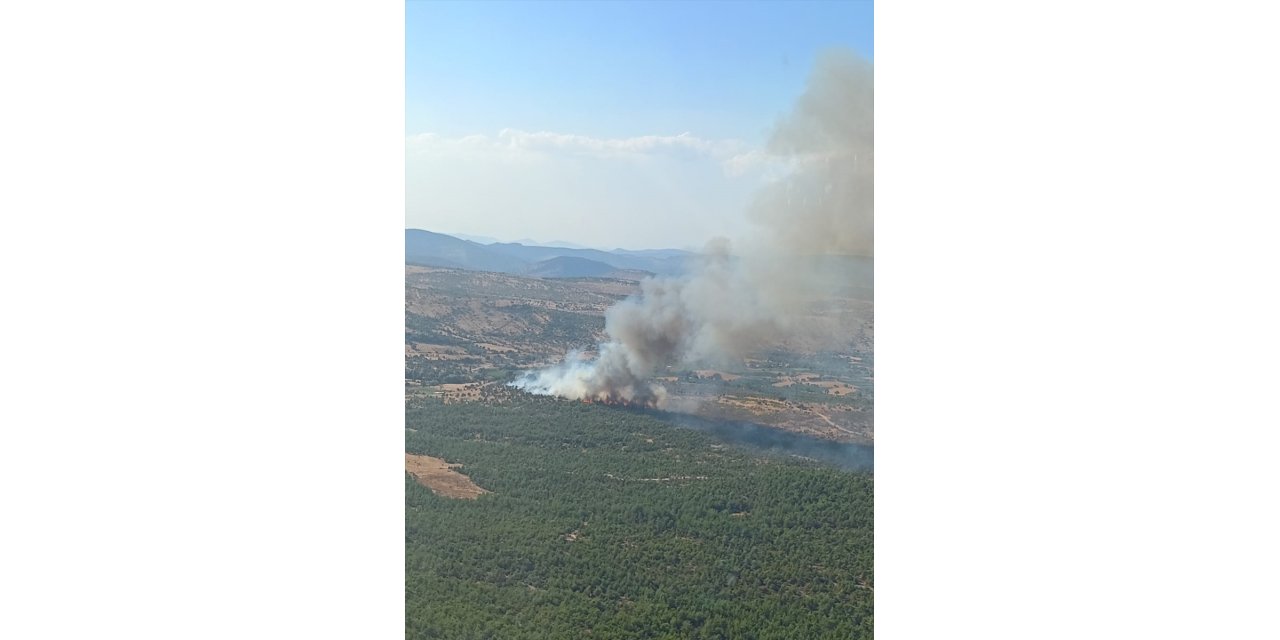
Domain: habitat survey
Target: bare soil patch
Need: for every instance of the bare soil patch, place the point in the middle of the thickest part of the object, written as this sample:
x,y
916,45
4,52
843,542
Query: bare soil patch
x,y
460,392
832,387
829,421
435,351
439,476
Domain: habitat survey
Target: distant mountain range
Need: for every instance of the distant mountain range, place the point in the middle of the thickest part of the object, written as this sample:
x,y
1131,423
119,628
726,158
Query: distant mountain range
x,y
439,250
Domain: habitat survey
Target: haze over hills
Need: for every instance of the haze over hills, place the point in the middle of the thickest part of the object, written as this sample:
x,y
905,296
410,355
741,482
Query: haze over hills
x,y
854,274
575,267
440,250
554,243
432,249
477,239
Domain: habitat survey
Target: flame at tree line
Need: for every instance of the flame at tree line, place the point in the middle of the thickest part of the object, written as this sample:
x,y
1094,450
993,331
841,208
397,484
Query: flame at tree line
x,y
647,403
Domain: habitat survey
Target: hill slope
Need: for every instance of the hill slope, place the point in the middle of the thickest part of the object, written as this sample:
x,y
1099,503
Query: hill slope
x,y
571,267
432,249
440,250
666,264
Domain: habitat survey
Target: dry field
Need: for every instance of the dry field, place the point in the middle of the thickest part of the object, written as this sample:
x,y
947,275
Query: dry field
x,y
439,476
468,333
833,387
828,421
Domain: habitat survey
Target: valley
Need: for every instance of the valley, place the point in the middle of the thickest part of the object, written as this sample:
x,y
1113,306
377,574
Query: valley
x,y
470,330
743,508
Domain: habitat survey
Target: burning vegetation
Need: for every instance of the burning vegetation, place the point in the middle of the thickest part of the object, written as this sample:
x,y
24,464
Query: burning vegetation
x,y
650,402
812,223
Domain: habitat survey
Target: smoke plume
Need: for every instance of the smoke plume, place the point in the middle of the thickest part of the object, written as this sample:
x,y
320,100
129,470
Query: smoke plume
x,y
759,292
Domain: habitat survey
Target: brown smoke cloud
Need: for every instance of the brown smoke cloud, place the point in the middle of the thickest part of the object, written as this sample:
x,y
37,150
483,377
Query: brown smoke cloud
x,y
755,294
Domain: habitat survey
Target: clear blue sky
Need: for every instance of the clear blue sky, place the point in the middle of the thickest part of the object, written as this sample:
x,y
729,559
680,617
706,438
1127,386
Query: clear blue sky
x,y
722,72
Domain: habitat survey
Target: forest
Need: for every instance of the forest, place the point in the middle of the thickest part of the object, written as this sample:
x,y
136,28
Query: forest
x,y
609,523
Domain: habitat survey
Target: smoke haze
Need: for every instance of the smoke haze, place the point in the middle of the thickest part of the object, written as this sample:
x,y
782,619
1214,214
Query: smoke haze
x,y
757,292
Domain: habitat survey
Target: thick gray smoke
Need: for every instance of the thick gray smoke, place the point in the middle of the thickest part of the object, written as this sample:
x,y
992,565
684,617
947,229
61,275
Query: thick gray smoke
x,y
757,294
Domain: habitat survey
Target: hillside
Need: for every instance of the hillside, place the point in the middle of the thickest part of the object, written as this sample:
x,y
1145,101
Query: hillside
x,y
572,267
432,249
440,250
661,262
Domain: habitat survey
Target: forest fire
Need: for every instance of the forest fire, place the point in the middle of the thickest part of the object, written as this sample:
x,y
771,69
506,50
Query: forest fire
x,y
728,304
593,382
612,400
650,402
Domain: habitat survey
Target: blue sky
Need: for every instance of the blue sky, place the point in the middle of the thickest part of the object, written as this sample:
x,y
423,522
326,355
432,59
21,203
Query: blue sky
x,y
596,96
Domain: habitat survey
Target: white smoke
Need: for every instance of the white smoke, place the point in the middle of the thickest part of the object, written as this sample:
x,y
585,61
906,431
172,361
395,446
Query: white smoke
x,y
731,304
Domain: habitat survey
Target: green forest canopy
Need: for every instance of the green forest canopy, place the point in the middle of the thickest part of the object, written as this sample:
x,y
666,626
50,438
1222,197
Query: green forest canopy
x,y
605,523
